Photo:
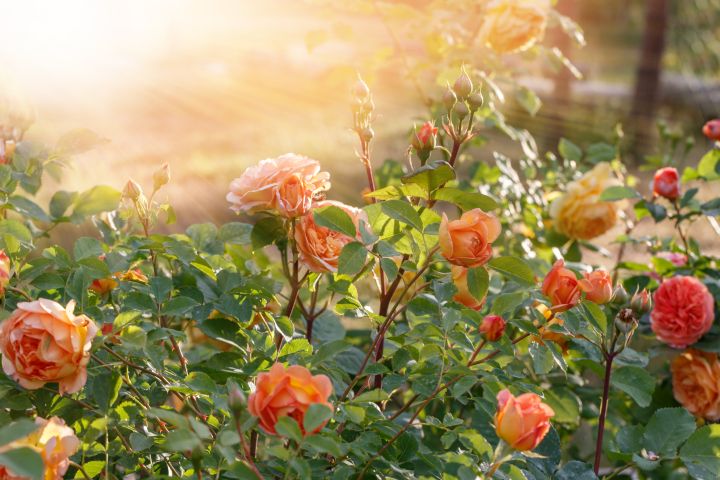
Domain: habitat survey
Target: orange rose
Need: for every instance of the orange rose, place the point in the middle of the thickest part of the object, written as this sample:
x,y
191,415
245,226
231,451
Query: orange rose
x,y
492,327
43,342
522,422
463,295
54,441
580,213
468,241
562,287
132,275
514,25
597,286
287,184
101,286
4,271
287,392
696,383
320,247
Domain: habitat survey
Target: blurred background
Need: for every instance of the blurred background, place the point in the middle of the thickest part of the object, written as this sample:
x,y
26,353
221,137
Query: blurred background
x,y
212,87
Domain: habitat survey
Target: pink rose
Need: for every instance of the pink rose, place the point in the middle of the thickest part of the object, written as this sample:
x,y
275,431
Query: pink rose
x,y
712,129
287,185
684,311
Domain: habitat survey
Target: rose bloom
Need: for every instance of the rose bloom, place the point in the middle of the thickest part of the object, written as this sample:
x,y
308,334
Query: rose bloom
x,y
684,311
514,25
463,295
133,275
54,441
562,287
712,130
696,383
667,183
319,246
42,342
677,259
597,286
287,184
467,242
492,327
4,271
287,392
580,213
523,421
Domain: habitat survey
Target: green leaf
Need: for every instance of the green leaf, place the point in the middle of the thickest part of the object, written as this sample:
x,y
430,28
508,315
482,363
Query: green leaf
x,y
514,268
28,208
316,415
667,430
376,395
398,191
575,470
612,194
288,427
431,176
569,150
87,247
402,212
23,462
352,258
465,200
14,235
636,382
335,218
60,202
529,100
96,200
565,403
92,469
179,306
701,453
322,444
16,430
181,440
709,166
478,281
267,231
105,388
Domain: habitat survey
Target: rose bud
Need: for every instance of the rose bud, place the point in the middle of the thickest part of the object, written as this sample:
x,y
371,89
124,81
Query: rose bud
x,y
712,130
360,90
562,287
463,85
449,98
492,327
237,402
641,302
523,421
287,392
467,242
4,271
620,296
132,190
425,138
625,320
597,286
684,311
475,100
667,183
161,176
461,110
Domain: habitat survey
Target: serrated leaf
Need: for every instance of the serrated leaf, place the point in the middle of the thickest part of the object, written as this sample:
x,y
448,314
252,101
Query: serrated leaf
x,y
667,429
701,453
514,268
478,281
335,218
316,415
615,193
636,382
465,200
24,462
352,259
402,212
288,427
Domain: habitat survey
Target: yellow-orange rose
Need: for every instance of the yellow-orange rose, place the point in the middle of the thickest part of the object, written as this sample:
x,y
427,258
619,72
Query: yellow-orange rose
x,y
580,213
696,383
54,441
319,246
467,241
514,25
42,342
463,295
522,421
287,184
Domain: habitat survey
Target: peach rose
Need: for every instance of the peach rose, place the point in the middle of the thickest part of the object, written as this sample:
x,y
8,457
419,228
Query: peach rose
x,y
712,129
597,286
467,242
4,271
319,246
684,311
54,441
42,342
287,185
523,421
666,183
580,213
287,392
696,383
463,295
492,327
101,286
562,287
514,25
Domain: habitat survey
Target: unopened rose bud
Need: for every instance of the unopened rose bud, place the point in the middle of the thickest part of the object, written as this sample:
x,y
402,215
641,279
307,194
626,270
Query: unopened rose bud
x,y
625,320
461,110
424,139
620,296
492,327
368,107
463,85
161,176
237,401
132,190
712,130
449,98
475,101
641,302
367,134
360,90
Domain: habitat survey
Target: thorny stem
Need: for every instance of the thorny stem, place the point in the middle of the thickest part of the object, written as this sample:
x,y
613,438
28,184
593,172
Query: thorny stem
x,y
678,227
246,449
603,410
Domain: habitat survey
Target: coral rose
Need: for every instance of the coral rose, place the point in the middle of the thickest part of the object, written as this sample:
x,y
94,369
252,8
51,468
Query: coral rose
x,y
562,287
522,421
514,25
319,246
666,183
463,295
287,185
696,383
597,286
287,392
42,342
467,242
684,311
4,271
54,441
492,327
580,213
712,129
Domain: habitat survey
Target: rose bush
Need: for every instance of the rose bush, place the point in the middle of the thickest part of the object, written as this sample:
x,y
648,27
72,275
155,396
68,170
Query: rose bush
x,y
453,327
